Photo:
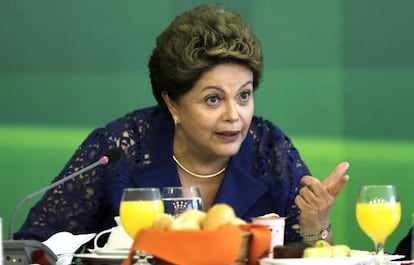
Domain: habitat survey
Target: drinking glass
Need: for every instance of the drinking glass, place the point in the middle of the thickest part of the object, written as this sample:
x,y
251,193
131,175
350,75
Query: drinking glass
x,y
1,238
139,208
412,237
179,199
378,212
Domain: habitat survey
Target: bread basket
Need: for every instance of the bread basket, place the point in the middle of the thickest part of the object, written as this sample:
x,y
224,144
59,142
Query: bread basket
x,y
228,245
243,254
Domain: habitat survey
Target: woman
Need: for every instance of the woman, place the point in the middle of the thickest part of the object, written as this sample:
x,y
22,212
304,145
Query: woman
x,y
404,247
204,70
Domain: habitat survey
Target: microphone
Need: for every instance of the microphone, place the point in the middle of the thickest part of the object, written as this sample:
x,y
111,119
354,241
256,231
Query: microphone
x,y
111,156
28,246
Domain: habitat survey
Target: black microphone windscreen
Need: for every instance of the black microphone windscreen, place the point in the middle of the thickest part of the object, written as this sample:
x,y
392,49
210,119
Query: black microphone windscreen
x,y
113,155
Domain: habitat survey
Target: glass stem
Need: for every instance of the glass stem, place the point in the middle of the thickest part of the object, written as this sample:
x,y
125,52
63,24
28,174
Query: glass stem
x,y
379,249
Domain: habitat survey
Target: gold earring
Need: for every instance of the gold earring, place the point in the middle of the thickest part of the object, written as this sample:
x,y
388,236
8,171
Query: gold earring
x,y
176,122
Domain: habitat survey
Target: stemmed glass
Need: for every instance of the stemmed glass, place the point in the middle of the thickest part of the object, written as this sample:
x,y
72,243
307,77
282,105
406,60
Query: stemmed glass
x,y
139,208
178,199
378,212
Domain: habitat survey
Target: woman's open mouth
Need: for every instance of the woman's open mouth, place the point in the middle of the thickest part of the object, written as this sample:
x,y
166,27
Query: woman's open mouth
x,y
228,135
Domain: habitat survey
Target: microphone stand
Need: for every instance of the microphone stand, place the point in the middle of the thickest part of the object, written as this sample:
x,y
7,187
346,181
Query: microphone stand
x,y
102,161
22,251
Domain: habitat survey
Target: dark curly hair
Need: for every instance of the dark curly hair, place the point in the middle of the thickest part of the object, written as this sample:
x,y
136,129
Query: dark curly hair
x,y
197,41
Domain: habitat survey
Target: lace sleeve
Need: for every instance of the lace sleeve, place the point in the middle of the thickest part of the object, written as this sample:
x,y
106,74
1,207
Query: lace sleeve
x,y
84,204
75,205
298,170
281,167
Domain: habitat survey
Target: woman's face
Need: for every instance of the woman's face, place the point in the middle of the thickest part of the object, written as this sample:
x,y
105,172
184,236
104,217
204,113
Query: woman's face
x,y
215,115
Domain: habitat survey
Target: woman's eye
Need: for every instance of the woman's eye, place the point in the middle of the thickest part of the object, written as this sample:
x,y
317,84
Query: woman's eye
x,y
213,100
245,96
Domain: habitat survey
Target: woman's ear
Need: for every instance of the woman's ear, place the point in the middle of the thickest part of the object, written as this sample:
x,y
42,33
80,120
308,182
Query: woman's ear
x,y
171,105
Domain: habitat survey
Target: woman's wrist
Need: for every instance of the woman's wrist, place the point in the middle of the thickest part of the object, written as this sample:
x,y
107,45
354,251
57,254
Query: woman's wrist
x,y
322,234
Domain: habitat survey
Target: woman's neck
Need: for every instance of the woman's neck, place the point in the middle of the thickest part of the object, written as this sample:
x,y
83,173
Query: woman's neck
x,y
194,160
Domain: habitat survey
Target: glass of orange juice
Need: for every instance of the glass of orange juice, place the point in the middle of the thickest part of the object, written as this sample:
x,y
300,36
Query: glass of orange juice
x,y
139,207
378,212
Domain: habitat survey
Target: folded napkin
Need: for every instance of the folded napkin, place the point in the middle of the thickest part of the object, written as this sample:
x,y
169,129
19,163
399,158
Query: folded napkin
x,y
64,245
194,247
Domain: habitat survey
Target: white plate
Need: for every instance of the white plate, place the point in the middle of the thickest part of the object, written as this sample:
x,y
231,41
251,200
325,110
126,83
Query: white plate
x,y
111,252
112,259
94,259
361,260
319,261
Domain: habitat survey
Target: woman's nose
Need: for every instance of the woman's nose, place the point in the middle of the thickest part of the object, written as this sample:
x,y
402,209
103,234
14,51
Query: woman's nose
x,y
231,112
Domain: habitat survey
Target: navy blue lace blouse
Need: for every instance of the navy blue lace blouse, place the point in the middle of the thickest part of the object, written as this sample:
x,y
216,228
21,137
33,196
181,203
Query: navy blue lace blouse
x,y
263,177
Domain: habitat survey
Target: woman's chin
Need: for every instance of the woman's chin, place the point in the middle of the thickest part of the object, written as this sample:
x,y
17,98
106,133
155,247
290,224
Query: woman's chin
x,y
227,152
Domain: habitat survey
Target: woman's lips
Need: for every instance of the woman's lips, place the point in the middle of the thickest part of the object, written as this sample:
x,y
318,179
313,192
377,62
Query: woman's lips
x,y
228,135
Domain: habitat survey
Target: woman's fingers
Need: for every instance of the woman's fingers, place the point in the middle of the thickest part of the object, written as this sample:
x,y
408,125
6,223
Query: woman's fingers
x,y
336,188
336,181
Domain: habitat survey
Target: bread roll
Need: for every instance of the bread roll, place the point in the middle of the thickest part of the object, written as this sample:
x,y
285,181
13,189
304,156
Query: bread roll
x,y
163,222
185,224
193,215
218,215
237,221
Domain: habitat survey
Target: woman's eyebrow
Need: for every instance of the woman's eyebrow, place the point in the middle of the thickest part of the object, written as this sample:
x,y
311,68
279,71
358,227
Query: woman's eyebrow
x,y
222,90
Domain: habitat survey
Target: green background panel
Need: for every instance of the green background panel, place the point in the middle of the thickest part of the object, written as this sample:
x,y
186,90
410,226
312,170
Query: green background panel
x,y
339,78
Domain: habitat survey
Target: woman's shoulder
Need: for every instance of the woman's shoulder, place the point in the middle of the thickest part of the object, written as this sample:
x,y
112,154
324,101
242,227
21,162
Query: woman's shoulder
x,y
138,117
130,123
122,132
275,149
265,130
